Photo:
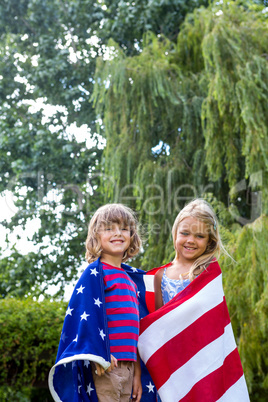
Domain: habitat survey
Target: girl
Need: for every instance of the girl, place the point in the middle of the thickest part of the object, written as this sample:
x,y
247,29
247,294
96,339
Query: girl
x,y
197,242
97,358
188,344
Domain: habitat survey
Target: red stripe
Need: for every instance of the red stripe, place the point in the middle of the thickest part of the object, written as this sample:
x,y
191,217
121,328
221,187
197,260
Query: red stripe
x,y
108,266
191,290
186,344
149,295
123,323
119,286
214,385
120,298
121,310
124,335
150,301
122,349
115,276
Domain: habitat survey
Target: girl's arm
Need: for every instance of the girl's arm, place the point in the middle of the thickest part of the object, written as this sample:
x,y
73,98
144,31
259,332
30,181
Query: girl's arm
x,y
157,289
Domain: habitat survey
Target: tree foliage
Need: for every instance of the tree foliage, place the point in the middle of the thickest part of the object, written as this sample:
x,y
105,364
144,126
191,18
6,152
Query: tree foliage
x,y
202,101
248,304
48,53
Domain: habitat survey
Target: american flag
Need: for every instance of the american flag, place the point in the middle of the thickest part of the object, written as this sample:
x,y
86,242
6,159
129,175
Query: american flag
x,y
189,348
85,338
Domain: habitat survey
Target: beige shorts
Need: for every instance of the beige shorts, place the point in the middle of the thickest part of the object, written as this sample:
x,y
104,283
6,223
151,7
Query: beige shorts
x,y
115,386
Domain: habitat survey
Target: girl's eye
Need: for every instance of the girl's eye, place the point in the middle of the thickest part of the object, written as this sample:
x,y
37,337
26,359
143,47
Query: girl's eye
x,y
200,236
184,233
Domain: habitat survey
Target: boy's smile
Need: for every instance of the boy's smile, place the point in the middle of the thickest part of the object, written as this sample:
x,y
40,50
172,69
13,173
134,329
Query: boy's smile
x,y
114,240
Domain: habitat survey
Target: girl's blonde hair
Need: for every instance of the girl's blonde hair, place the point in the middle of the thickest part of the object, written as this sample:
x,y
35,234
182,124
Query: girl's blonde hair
x,y
201,210
104,216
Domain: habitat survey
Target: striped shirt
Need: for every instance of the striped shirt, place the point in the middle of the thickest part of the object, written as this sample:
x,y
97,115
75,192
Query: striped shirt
x,y
122,312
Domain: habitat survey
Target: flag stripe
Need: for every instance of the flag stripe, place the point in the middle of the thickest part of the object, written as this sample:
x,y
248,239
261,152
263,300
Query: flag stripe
x,y
190,291
212,387
198,367
205,329
238,392
207,298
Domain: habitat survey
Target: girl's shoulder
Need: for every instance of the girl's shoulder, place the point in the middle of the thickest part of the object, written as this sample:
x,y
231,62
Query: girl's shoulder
x,y
155,271
159,273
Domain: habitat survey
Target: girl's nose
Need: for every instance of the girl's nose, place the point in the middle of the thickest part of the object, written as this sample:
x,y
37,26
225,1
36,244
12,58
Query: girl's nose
x,y
190,239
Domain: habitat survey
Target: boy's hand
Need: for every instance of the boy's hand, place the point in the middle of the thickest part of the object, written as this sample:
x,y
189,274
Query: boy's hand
x,y
137,389
100,370
136,386
113,364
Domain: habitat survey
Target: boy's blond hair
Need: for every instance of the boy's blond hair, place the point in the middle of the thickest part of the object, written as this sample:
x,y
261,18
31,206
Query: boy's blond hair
x,y
105,215
201,210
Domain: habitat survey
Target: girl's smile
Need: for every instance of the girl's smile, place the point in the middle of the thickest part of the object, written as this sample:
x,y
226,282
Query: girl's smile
x,y
192,239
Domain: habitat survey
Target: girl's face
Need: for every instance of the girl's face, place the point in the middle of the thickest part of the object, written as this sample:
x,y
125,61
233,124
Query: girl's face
x,y
192,239
114,239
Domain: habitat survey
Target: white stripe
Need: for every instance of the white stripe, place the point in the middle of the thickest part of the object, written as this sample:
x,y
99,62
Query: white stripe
x,y
149,282
187,313
238,392
207,360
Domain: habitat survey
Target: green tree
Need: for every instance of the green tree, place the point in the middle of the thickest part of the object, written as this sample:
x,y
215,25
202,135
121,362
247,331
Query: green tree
x,y
248,305
202,103
49,50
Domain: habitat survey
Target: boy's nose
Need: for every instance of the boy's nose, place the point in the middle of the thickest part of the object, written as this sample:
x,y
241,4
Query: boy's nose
x,y
117,230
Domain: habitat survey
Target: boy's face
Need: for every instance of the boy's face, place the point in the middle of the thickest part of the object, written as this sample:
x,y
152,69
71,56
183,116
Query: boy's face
x,y
114,239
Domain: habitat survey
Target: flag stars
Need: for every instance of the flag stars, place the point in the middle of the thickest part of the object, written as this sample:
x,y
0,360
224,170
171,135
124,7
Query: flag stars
x,y
102,334
80,290
69,311
97,302
134,269
76,338
89,389
150,387
84,316
94,272
86,363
